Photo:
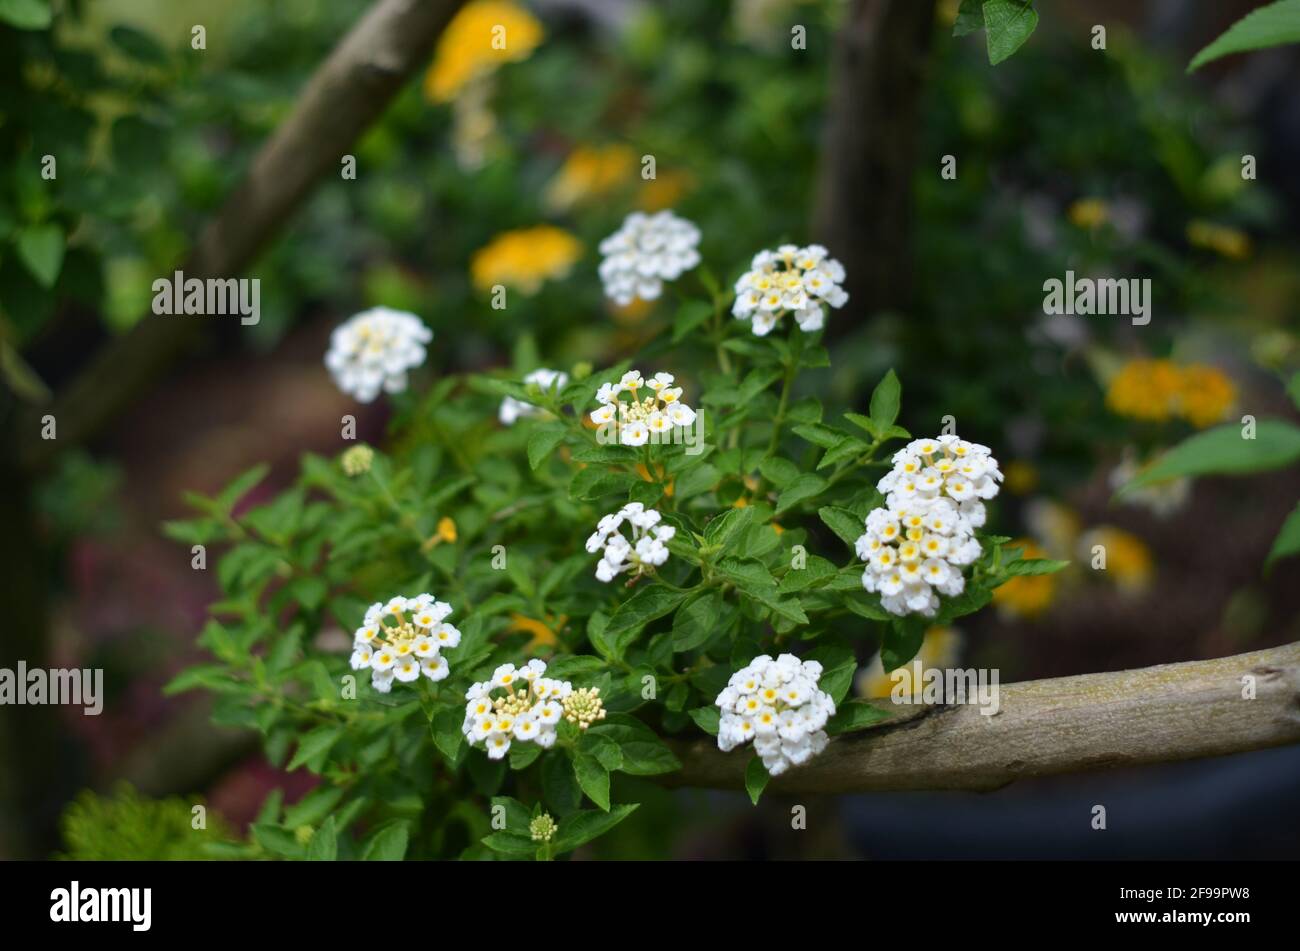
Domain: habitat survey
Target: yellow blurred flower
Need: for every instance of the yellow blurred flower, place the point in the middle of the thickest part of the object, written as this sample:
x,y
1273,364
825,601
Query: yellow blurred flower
x,y
525,258
939,649
1088,213
1206,395
1054,526
445,532
665,190
1229,242
1021,477
590,172
1145,389
1128,562
1158,390
482,36
543,632
1026,596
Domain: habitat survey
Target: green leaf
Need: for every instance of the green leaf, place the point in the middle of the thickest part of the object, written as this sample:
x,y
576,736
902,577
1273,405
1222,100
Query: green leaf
x,y
707,719
593,777
838,667
885,400
41,247
581,827
807,486
643,753
26,14
780,472
1223,451
843,523
696,623
138,45
1273,25
324,844
1293,388
1007,24
756,779
721,528
903,639
314,747
542,442
636,612
1287,542
854,715
690,315
560,787
277,840
388,843
508,842
1033,566
814,571
970,18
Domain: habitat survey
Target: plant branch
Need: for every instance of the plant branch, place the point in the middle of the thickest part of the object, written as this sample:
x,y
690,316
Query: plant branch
x,y
346,94
1160,714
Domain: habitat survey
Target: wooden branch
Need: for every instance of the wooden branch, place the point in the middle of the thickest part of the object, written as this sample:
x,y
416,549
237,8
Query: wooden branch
x,y
345,95
1070,724
863,200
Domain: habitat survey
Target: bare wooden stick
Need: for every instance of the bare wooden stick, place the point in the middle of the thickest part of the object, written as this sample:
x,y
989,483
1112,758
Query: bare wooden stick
x,y
1069,724
347,93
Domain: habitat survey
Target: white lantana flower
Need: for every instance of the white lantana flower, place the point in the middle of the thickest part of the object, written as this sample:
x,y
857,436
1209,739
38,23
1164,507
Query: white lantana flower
x,y
789,280
646,251
402,639
917,545
520,705
646,550
778,705
372,351
654,410
513,409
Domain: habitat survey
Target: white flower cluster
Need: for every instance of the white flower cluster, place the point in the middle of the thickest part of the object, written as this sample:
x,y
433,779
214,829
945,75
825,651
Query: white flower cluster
x,y
513,409
646,251
647,549
778,705
374,350
642,418
403,639
527,707
799,281
917,545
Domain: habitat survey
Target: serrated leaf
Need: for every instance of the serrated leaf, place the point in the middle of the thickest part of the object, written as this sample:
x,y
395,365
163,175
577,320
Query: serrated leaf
x,y
807,486
707,719
1273,25
847,526
1007,25
542,442
324,844
314,747
388,843
1224,451
582,827
854,715
593,777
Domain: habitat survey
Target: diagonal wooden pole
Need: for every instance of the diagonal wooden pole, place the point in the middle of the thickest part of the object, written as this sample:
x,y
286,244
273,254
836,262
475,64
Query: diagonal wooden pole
x,y
1068,724
346,94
